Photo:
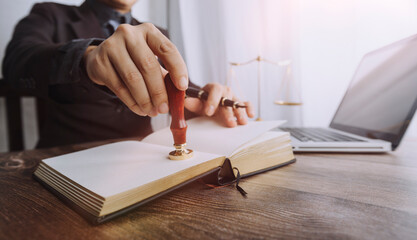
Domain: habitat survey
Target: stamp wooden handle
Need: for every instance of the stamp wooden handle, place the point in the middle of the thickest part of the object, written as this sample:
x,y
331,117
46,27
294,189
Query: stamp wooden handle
x,y
176,107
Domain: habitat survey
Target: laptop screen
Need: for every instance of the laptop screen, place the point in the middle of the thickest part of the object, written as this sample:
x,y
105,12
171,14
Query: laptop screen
x,y
382,96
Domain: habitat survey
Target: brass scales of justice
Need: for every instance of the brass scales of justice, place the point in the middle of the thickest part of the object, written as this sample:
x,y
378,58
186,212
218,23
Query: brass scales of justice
x,y
285,86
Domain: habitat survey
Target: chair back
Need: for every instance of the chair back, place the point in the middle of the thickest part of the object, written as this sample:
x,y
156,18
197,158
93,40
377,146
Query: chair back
x,y
14,121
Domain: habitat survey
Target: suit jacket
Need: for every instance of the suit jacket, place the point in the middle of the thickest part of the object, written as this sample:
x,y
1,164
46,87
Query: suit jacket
x,y
77,110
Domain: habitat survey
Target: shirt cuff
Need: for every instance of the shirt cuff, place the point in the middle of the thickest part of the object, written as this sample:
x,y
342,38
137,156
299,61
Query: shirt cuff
x,y
67,68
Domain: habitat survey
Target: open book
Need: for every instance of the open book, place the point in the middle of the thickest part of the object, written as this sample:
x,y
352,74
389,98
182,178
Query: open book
x,y
102,182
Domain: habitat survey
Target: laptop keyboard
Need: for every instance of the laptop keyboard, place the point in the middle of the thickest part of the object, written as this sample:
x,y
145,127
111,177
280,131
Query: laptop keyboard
x,y
318,135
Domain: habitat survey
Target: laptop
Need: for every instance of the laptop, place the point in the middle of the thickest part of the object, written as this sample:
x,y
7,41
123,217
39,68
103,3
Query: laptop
x,y
377,107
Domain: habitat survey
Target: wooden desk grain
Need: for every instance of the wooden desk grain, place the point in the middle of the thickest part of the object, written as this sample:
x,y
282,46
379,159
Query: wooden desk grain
x,y
321,196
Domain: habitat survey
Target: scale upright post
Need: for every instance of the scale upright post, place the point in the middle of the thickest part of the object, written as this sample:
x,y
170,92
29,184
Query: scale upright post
x,y
259,59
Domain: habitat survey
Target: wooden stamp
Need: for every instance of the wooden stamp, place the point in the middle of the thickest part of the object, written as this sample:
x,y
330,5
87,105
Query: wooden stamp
x,y
178,125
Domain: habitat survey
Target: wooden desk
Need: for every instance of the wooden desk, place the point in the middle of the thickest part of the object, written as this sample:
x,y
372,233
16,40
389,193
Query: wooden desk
x,y
320,196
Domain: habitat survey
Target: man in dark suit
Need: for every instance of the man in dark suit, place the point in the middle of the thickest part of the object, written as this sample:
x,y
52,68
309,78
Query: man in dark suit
x,y
98,69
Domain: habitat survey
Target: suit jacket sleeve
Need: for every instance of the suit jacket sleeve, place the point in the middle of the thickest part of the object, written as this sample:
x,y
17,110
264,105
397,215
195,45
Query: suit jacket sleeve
x,y
34,60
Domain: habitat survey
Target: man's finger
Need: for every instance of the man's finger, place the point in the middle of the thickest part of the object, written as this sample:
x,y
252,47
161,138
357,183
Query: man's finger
x,y
132,79
169,54
250,109
215,94
240,114
194,105
150,69
115,84
227,112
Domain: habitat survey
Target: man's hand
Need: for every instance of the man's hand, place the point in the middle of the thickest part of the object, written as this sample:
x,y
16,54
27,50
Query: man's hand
x,y
229,116
127,65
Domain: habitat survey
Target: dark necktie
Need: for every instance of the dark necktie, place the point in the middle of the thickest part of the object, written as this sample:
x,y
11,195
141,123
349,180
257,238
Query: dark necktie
x,y
112,25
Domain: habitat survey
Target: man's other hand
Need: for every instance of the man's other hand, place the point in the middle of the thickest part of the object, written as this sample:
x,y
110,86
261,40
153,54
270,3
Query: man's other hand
x,y
126,64
229,116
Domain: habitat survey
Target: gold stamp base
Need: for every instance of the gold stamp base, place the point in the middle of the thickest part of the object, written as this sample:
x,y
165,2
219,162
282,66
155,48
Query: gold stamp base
x,y
181,153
